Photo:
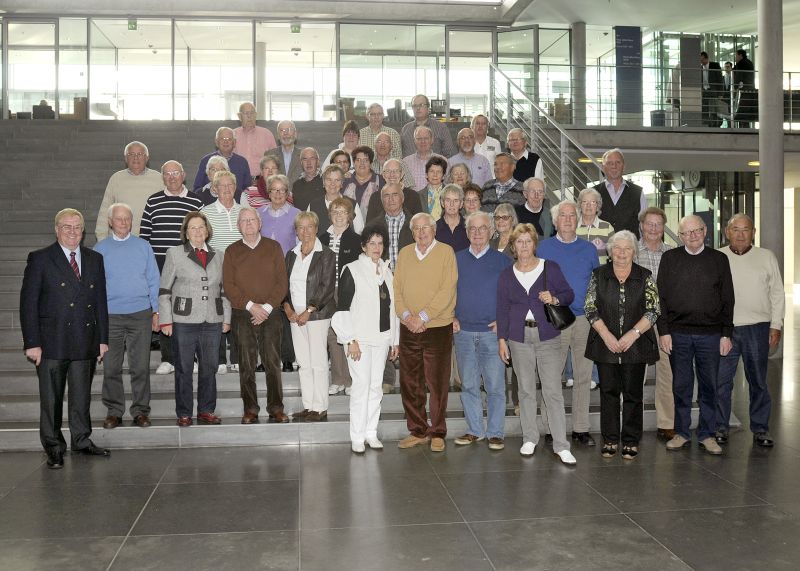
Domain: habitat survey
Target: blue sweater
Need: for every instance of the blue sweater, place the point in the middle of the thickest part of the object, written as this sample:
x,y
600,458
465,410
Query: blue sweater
x,y
577,260
131,275
476,299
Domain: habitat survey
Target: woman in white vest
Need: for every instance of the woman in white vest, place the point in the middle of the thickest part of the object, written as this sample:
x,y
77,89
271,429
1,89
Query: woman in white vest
x,y
366,324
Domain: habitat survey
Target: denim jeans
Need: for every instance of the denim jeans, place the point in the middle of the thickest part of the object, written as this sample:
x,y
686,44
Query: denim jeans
x,y
751,343
188,340
690,352
477,357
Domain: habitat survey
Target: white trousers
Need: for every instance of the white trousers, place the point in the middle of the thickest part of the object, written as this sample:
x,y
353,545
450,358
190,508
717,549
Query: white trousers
x,y
366,391
311,351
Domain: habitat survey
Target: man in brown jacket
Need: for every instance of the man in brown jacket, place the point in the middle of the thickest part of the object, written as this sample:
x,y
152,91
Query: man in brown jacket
x,y
255,282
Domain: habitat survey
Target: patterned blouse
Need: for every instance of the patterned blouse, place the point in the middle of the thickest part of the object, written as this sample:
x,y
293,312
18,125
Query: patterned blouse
x,y
652,307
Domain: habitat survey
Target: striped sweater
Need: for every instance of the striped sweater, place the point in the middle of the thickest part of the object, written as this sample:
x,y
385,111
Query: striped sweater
x,y
162,218
224,223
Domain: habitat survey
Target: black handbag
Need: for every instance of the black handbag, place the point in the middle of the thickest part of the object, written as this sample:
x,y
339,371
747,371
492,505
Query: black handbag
x,y
559,316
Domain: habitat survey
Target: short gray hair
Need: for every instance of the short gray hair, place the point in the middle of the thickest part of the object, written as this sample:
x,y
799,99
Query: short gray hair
x,y
420,215
611,152
453,189
217,160
555,210
423,128
592,192
506,208
623,235
740,216
132,143
224,128
110,211
476,214
180,166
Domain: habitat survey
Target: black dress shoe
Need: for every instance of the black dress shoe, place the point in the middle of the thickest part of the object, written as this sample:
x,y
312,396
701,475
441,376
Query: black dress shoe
x,y
548,439
763,439
287,367
93,450
260,368
721,437
55,459
584,438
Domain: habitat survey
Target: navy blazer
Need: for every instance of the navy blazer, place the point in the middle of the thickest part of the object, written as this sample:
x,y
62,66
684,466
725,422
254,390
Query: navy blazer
x,y
66,317
513,303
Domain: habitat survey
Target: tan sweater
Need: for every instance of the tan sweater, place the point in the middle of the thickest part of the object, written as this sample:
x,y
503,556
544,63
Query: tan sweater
x,y
257,275
131,189
428,285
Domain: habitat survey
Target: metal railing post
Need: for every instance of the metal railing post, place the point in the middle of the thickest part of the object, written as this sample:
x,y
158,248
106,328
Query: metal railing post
x,y
509,106
564,166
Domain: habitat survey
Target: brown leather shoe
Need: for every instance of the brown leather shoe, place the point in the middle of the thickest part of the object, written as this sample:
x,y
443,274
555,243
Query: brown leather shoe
x,y
208,418
112,421
184,421
279,416
301,414
250,418
312,416
665,434
322,415
142,421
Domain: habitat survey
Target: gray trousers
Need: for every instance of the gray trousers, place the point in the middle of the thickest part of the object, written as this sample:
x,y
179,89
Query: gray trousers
x,y
132,332
576,336
340,373
540,361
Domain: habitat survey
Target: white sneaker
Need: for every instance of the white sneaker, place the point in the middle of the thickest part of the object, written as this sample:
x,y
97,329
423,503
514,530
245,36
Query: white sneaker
x,y
592,386
222,370
165,368
570,382
357,447
348,390
528,449
334,389
235,368
195,368
567,457
374,443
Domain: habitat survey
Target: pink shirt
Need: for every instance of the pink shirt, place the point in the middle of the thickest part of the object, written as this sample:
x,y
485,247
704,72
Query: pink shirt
x,y
253,144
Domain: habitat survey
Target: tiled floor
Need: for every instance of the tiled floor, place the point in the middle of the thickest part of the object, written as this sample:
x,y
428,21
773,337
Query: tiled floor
x,y
321,507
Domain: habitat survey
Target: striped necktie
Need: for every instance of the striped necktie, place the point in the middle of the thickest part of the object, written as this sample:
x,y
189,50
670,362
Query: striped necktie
x,y
74,265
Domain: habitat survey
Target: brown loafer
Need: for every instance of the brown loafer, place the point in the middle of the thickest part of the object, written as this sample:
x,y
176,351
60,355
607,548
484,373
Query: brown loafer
x,y
208,418
142,421
112,421
665,434
301,414
184,421
250,418
312,416
279,416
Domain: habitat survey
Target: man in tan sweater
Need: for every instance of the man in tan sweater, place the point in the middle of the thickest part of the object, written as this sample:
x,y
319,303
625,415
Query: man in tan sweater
x,y
255,282
425,299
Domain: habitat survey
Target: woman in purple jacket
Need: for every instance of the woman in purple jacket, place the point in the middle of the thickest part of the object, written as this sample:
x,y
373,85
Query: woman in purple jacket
x,y
525,335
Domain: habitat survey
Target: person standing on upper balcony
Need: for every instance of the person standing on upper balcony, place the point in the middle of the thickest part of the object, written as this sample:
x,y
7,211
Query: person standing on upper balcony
x,y
622,200
713,84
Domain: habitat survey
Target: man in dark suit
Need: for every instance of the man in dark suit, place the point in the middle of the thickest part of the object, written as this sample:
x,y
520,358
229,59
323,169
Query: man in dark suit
x,y
744,80
288,153
713,85
64,319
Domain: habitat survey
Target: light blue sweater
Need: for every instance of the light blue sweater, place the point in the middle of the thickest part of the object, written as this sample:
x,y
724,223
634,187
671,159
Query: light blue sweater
x,y
131,275
577,260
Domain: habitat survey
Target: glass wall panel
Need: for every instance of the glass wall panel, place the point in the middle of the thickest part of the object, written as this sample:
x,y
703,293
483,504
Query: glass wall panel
x,y
431,68
31,66
300,70
131,70
555,82
468,67
220,59
181,74
73,69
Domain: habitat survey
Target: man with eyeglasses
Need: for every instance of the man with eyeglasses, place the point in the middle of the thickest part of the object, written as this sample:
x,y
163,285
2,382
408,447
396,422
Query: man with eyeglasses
x,y
369,135
287,153
417,161
757,324
161,227
695,328
651,248
132,185
252,140
442,141
504,188
478,165
63,315
225,140
392,173
577,259
425,299
529,164
622,200
384,151
475,334
536,209
309,186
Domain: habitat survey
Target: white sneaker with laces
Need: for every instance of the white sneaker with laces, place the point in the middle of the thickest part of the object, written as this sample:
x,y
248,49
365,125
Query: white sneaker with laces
x,y
235,368
374,443
348,390
222,370
592,385
528,449
567,457
357,447
195,368
334,389
570,382
165,368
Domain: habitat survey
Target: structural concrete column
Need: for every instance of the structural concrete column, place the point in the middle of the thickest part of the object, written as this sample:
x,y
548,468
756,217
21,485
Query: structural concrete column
x,y
261,85
578,61
769,63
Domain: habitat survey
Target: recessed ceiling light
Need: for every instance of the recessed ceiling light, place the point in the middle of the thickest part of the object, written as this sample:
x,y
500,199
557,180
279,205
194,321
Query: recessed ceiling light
x,y
753,163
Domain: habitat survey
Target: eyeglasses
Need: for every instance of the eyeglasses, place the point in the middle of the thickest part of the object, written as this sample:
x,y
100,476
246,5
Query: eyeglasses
x,y
693,232
137,155
277,190
502,217
391,171
654,225
71,228
477,229
420,106
536,191
173,173
226,139
421,228
590,202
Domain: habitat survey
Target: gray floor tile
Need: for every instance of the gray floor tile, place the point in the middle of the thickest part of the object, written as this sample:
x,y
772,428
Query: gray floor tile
x,y
15,467
255,550
642,487
586,542
77,511
337,460
380,501
88,554
771,475
122,467
478,458
220,507
512,495
439,547
234,464
759,537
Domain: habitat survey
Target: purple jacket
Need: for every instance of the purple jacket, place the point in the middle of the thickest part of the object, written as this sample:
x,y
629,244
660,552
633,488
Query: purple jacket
x,y
513,303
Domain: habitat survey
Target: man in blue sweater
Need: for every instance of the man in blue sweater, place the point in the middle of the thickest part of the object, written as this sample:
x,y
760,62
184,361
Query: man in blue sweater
x,y
132,290
577,258
475,333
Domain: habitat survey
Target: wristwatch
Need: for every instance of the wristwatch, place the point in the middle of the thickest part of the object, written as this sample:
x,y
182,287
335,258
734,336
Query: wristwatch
x,y
637,331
